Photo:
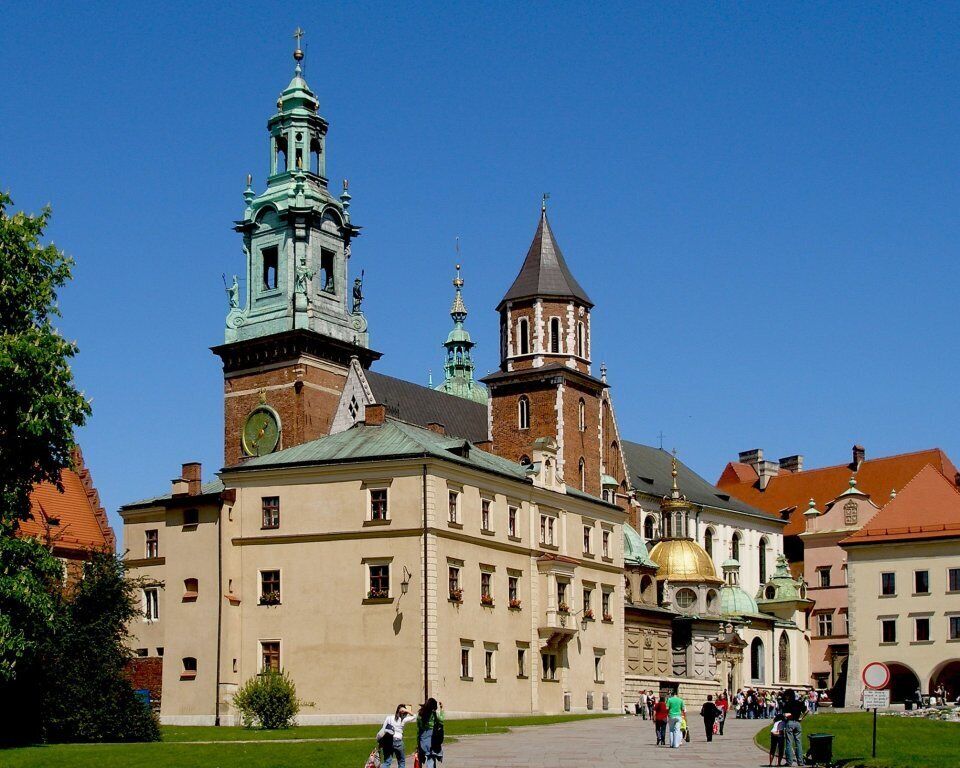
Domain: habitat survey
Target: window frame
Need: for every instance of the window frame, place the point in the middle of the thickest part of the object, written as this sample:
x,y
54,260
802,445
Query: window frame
x,y
378,510
151,544
453,506
548,664
523,336
825,621
953,626
466,661
523,412
892,583
486,517
378,593
262,666
953,580
823,576
886,621
147,593
264,597
556,335
273,509
588,539
548,525
916,582
512,515
916,629
605,539
522,663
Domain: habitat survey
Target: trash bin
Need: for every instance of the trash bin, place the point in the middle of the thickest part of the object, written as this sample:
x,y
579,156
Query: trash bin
x,y
821,748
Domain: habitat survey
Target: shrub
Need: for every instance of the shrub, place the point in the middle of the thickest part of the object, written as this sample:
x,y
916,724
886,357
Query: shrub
x,y
268,701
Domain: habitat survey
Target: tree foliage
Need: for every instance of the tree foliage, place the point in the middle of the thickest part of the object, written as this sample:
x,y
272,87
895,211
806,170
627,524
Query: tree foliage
x,y
268,700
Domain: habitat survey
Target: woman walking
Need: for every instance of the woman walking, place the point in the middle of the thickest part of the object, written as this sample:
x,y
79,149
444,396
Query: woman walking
x,y
709,712
390,737
660,716
430,733
723,704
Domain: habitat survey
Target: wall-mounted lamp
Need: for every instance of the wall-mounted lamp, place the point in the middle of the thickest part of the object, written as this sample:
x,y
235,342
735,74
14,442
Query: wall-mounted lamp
x,y
405,583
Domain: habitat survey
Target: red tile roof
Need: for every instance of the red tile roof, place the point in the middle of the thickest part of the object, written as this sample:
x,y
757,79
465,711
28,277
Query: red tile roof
x,y
876,477
928,507
82,520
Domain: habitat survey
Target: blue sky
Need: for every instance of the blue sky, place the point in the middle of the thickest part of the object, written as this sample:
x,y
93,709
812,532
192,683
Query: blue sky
x,y
761,199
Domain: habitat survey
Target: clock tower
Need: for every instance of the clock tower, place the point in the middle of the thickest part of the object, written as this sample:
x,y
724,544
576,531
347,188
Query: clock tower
x,y
295,321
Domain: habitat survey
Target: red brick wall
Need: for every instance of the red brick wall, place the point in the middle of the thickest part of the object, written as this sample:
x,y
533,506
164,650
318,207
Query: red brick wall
x,y
577,444
147,672
509,440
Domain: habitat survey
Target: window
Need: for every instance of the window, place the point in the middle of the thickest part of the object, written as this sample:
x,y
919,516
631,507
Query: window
x,y
512,522
271,512
453,506
465,663
587,603
605,605
825,624
547,530
708,542
189,669
582,475
888,630
562,604
549,663
953,580
921,582
598,668
489,672
141,652
955,627
686,598
270,655
153,543
605,544
191,588
378,504
191,518
151,604
513,591
485,514
270,265
783,658
523,412
888,584
844,621
486,596
326,271
762,558
453,579
269,587
756,660
735,546
650,527
823,575
921,627
555,335
580,339
588,539
521,662
582,415
523,336
379,581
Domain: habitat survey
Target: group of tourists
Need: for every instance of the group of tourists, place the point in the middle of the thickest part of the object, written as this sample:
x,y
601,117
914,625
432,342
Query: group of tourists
x,y
429,719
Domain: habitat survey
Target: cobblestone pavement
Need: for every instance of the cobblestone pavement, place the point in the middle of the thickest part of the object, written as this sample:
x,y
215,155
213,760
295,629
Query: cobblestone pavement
x,y
622,741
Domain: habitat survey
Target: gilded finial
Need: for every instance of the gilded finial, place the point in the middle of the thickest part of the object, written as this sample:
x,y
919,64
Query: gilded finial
x,y
673,468
298,53
458,281
543,202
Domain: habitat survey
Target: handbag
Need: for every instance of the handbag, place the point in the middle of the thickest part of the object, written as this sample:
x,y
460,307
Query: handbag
x,y
716,727
374,760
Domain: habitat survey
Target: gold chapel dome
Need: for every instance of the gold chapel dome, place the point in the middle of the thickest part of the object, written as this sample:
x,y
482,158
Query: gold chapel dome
x,y
683,560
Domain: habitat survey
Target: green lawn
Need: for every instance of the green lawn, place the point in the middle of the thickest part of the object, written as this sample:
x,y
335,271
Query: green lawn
x,y
177,751
901,742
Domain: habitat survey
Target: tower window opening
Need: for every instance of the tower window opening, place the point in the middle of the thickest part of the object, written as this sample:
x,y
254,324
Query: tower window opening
x,y
555,335
523,336
762,555
299,164
582,415
649,528
708,541
327,282
315,157
583,476
735,547
523,412
580,339
281,159
271,262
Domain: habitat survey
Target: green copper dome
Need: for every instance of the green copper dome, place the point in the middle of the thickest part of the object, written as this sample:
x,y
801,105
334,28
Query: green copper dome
x,y
734,601
458,369
634,550
782,587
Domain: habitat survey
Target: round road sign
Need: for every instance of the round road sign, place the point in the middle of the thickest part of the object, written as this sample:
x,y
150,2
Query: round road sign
x,y
876,675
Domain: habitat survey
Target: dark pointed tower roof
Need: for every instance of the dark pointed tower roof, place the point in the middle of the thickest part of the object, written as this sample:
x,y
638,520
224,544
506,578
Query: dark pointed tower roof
x,y
544,271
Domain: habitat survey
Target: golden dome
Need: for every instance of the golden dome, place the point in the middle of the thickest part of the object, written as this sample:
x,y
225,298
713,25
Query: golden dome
x,y
683,560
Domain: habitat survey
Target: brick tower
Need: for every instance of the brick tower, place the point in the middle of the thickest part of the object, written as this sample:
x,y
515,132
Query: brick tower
x,y
288,347
544,386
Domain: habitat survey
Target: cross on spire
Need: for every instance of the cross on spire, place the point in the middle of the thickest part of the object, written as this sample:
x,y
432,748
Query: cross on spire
x,y
298,53
661,436
543,202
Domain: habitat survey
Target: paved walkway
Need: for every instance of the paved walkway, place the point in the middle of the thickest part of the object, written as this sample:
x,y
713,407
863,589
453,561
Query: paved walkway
x,y
622,741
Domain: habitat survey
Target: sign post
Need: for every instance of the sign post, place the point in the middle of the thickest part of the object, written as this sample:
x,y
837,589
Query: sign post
x,y
876,678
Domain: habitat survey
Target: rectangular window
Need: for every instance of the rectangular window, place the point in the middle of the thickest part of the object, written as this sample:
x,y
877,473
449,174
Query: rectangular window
x,y
521,662
189,670
327,282
824,574
605,599
465,663
489,673
588,539
605,544
523,336
825,624
598,668
485,515
888,583
844,622
547,523
271,263
269,587
453,578
270,656
888,630
378,503
554,335
271,512
153,543
955,627
921,582
953,579
587,603
486,596
512,522
549,663
562,596
151,604
921,629
379,582
513,589
453,505
191,518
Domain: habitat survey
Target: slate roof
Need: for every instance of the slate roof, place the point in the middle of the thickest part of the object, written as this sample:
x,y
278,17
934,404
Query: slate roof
x,y
544,271
421,405
649,470
876,477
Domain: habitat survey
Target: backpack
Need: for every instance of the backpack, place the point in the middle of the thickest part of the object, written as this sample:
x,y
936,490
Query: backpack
x,y
437,741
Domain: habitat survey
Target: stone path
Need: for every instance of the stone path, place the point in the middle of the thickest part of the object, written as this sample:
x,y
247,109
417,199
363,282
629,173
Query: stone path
x,y
622,741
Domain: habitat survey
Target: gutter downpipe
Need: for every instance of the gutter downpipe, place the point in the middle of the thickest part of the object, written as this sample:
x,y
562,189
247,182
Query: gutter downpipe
x,y
426,646
216,710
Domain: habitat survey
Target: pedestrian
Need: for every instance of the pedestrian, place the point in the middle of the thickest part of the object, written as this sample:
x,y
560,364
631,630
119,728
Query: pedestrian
x,y
390,736
651,700
710,713
660,717
676,711
723,704
812,701
793,712
776,740
430,733
642,705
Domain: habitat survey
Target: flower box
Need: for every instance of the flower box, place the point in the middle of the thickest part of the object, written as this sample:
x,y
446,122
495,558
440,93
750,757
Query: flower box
x,y
378,594
515,604
486,600
608,617
456,595
270,598
563,608
588,615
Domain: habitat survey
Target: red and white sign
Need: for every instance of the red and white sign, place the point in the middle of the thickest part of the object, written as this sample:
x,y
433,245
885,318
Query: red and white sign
x,y
876,675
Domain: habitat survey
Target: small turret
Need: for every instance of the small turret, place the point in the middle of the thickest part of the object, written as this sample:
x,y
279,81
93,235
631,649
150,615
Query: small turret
x,y
459,367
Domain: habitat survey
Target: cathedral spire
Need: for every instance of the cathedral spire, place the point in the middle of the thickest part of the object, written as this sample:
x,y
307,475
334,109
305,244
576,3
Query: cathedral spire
x,y
458,368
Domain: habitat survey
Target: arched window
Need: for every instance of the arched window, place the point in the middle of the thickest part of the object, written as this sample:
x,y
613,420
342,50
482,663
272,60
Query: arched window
x,y
523,412
580,339
708,541
524,460
762,556
583,476
756,660
735,547
647,592
712,596
783,662
582,415
555,335
523,336
649,528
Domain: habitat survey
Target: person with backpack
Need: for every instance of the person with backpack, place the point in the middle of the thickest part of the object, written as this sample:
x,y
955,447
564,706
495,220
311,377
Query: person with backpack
x,y
430,733
390,736
710,712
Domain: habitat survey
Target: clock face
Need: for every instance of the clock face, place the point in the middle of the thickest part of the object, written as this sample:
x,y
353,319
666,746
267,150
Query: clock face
x,y
261,432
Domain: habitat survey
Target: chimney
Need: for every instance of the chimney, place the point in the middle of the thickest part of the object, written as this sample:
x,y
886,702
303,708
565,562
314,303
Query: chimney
x,y
179,487
752,458
374,415
191,473
766,471
792,463
859,455
436,426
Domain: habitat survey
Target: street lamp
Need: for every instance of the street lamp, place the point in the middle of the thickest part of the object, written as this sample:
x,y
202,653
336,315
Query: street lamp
x,y
405,583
